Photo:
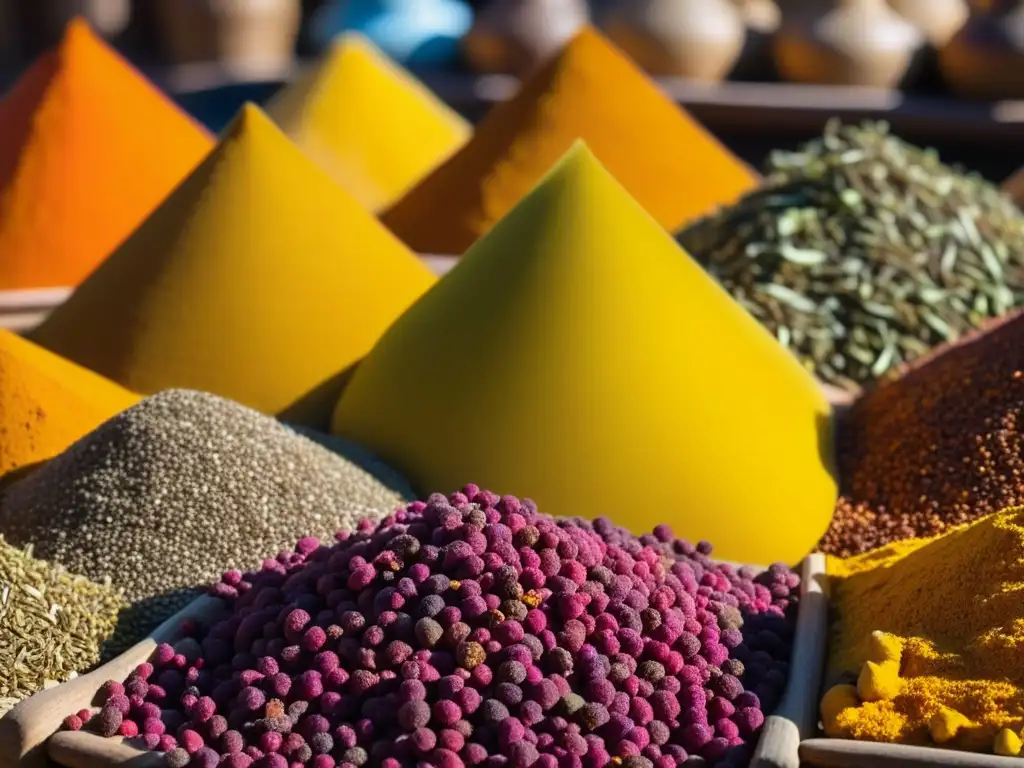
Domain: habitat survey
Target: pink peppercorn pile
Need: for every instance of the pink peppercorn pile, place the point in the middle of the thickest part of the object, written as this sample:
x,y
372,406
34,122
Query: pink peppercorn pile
x,y
472,630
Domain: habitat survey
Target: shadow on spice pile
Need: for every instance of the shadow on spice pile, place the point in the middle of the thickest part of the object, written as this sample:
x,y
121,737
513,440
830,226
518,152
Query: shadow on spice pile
x,y
472,630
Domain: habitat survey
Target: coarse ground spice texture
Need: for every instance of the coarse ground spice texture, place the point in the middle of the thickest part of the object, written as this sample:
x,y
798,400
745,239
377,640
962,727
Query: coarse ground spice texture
x,y
367,122
591,91
472,630
949,668
258,279
47,403
89,147
165,496
939,445
52,623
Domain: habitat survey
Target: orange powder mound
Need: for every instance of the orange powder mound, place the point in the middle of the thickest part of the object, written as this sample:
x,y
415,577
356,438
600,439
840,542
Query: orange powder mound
x,y
88,147
368,122
259,279
47,403
1014,187
591,90
556,361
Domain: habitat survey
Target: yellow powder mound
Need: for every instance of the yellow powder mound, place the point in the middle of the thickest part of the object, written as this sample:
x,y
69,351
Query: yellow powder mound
x,y
88,147
955,605
667,161
47,403
368,122
557,361
259,279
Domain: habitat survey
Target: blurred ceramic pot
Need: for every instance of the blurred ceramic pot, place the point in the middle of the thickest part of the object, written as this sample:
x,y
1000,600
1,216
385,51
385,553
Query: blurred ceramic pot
x,y
762,19
985,58
848,42
696,39
415,33
254,38
938,19
44,20
512,36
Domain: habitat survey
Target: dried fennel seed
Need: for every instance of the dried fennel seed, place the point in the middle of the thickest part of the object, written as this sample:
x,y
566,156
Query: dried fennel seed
x,y
861,252
52,623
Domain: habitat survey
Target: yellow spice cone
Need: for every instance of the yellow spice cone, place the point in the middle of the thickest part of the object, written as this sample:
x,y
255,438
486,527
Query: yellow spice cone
x,y
372,126
577,356
47,403
259,279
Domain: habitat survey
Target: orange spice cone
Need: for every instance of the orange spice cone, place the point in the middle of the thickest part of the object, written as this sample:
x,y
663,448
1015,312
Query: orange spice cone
x,y
88,147
47,403
259,279
368,122
1014,187
577,356
591,91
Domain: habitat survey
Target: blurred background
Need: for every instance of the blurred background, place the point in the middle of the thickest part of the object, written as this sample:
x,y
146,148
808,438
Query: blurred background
x,y
760,74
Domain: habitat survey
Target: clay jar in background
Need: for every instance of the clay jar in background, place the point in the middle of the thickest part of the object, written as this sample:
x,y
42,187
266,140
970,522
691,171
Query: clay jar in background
x,y
985,58
848,42
939,20
762,19
250,38
696,39
513,36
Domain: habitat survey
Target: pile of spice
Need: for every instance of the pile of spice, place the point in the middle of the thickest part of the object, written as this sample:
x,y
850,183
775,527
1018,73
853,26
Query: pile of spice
x,y
367,122
202,296
579,265
590,91
939,446
471,630
165,496
933,632
52,623
861,252
47,402
89,148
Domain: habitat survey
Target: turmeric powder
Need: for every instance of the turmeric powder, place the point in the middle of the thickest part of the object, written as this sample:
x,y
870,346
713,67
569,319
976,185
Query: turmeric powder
x,y
47,403
935,627
590,91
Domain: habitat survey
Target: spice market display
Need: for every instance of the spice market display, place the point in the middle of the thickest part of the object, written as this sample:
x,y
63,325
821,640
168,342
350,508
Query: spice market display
x,y
259,398
465,628
368,122
861,252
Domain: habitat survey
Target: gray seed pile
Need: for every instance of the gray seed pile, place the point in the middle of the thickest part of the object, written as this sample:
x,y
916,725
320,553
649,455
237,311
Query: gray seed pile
x,y
169,494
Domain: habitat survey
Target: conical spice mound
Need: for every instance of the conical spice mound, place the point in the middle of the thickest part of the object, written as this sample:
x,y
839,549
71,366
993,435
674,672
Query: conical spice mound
x,y
370,124
259,280
88,147
47,403
578,356
590,91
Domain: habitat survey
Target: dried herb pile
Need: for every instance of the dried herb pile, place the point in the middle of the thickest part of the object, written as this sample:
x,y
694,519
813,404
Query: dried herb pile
x,y
52,623
861,252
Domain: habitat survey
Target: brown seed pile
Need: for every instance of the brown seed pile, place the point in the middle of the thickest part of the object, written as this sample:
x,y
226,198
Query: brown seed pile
x,y
169,494
52,623
940,445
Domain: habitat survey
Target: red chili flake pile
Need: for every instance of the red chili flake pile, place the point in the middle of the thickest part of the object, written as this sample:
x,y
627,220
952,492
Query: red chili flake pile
x,y
472,630
940,445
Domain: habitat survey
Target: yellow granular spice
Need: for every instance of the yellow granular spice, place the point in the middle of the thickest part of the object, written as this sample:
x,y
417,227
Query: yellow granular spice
x,y
955,604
